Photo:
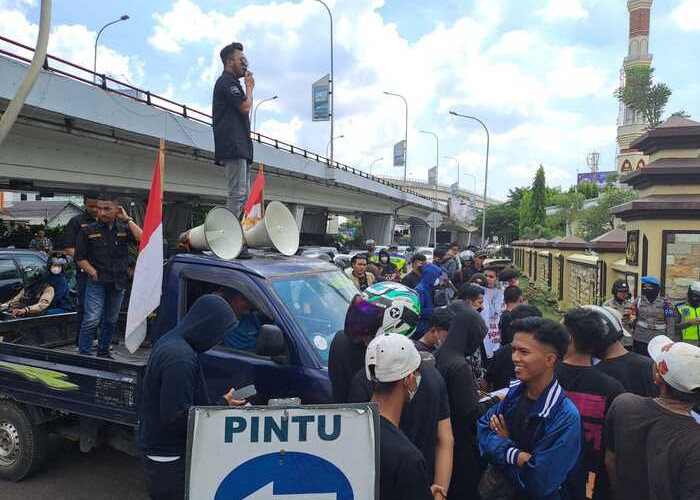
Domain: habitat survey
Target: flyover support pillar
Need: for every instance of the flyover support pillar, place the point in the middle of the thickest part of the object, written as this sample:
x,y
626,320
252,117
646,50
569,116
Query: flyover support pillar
x,y
420,233
378,227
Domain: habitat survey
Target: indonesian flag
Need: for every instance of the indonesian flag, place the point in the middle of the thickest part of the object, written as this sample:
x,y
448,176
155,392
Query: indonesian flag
x,y
148,277
253,209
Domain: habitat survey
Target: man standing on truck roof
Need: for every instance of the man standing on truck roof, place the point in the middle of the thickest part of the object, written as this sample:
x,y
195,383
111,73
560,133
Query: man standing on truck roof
x,y
172,385
70,237
102,251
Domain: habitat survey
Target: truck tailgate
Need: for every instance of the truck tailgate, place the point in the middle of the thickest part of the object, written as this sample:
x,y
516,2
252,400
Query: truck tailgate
x,y
88,386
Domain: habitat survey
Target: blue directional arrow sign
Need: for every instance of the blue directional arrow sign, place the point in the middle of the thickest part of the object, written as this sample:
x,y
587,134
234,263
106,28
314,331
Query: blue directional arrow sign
x,y
285,476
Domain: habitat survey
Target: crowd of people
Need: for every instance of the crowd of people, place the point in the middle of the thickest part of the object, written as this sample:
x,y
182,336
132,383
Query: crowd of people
x,y
483,398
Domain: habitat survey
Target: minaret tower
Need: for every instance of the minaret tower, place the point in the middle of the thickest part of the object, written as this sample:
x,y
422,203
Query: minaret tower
x,y
631,126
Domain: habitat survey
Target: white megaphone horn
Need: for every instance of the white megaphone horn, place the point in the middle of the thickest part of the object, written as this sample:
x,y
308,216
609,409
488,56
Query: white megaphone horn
x,y
277,229
221,233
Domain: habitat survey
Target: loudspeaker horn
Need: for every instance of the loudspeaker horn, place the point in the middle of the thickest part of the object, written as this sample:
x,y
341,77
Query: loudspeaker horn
x,y
221,233
278,229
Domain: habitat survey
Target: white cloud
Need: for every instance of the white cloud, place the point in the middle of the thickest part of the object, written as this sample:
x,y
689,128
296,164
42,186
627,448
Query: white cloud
x,y
74,43
513,43
285,131
687,15
561,10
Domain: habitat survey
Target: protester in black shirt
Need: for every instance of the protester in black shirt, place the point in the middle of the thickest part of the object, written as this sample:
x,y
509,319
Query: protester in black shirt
x,y
512,297
412,279
102,251
500,370
653,444
592,392
469,297
632,370
70,238
393,364
438,326
230,110
464,338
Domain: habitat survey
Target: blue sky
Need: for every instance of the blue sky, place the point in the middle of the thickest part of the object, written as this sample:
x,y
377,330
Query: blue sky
x,y
540,73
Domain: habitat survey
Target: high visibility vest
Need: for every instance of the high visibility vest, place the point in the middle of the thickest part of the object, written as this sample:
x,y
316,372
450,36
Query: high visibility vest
x,y
688,313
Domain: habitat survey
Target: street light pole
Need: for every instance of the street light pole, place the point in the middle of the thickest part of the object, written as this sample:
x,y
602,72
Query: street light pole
x,y
405,136
437,174
373,162
94,64
255,111
331,82
330,143
473,178
486,171
456,161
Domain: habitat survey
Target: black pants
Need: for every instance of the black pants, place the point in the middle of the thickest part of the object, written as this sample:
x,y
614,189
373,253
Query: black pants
x,y
164,480
81,280
640,348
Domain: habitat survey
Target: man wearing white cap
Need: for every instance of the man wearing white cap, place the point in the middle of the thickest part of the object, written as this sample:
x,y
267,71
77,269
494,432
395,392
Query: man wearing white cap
x,y
393,364
653,444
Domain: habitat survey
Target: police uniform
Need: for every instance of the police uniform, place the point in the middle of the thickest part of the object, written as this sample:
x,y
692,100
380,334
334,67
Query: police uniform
x,y
651,319
624,307
107,250
686,313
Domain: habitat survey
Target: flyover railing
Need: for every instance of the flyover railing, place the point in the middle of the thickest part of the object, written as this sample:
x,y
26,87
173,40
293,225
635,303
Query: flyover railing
x,y
107,83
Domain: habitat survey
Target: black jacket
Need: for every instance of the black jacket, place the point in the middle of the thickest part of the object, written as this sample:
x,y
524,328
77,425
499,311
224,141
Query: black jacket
x,y
174,381
231,127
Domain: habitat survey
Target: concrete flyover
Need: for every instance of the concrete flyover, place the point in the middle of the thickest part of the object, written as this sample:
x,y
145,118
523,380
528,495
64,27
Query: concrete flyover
x,y
75,136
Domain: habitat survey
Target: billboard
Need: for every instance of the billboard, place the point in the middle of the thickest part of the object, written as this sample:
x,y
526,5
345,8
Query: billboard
x,y
601,178
321,100
399,153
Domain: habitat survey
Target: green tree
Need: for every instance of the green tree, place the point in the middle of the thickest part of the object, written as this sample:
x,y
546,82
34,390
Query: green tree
x,y
569,205
642,95
501,220
587,189
524,214
538,199
597,220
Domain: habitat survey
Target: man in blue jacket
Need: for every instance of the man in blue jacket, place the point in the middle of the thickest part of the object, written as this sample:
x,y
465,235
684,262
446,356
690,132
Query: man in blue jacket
x,y
533,436
430,274
174,382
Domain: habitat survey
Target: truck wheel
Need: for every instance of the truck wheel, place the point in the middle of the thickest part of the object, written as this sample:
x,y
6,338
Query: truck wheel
x,y
23,445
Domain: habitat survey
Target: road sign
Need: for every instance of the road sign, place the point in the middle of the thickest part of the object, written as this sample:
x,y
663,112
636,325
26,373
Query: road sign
x,y
432,176
399,153
321,100
434,220
327,452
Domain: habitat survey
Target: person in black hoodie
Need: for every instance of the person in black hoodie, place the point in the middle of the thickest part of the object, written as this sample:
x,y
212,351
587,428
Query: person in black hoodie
x,y
173,383
464,338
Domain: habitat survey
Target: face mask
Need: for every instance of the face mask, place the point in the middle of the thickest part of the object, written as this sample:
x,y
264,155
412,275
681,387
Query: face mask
x,y
385,260
56,269
412,394
650,293
479,309
437,282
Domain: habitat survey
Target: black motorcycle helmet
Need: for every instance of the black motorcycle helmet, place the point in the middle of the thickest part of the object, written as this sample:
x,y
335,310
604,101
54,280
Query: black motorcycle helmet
x,y
620,286
694,292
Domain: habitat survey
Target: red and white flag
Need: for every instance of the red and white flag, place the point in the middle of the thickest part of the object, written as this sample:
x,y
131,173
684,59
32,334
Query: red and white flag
x,y
148,277
253,208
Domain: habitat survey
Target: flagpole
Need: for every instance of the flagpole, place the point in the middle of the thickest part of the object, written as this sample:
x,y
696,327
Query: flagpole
x,y
161,162
262,196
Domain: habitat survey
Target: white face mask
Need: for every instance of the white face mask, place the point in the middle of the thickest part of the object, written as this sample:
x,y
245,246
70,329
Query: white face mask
x,y
412,394
385,259
56,269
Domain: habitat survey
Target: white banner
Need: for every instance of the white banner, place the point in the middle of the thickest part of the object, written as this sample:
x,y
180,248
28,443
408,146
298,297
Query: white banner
x,y
493,307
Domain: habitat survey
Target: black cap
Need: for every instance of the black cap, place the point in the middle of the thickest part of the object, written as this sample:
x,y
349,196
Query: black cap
x,y
620,286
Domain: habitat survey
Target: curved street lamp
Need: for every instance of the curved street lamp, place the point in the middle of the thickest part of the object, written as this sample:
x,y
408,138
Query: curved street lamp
x,y
373,162
437,169
255,111
94,64
330,145
486,172
405,136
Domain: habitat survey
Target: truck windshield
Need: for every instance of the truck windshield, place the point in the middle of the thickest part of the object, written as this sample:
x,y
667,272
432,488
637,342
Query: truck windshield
x,y
318,303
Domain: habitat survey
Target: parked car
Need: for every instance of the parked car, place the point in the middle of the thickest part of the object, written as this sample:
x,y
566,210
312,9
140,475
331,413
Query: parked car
x,y
13,266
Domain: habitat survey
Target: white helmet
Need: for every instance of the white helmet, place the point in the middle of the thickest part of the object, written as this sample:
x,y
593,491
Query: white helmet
x,y
466,255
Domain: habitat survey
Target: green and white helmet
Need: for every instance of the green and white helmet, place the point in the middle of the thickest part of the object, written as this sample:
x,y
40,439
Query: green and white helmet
x,y
401,306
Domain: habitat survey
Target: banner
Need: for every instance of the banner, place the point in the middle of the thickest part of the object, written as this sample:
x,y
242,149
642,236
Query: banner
x,y
321,100
400,154
253,211
432,176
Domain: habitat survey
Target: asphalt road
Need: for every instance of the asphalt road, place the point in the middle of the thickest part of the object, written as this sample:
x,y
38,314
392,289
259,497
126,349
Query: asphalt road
x,y
103,474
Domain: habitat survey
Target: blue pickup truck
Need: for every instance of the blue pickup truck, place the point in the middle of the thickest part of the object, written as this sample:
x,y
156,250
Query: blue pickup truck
x,y
46,387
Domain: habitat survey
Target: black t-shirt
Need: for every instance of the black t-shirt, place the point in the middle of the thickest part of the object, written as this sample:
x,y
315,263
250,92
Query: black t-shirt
x,y
504,327
107,250
421,347
402,475
231,126
411,280
657,452
501,370
633,371
521,421
345,359
592,392
420,417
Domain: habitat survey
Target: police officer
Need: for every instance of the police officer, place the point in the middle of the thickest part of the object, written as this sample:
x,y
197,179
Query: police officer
x,y
102,252
70,236
622,303
688,315
654,315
